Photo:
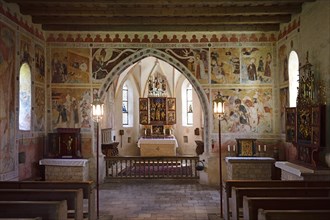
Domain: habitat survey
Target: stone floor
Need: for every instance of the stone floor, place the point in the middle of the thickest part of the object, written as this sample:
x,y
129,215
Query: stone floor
x,y
158,200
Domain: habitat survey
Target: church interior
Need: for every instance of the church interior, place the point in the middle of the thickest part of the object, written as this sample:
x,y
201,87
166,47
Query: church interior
x,y
225,93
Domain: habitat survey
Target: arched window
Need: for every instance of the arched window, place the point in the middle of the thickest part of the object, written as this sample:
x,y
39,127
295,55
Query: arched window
x,y
293,78
25,98
187,104
125,104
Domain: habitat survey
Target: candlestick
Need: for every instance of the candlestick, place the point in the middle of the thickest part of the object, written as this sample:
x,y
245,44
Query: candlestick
x,y
228,148
259,148
265,148
234,148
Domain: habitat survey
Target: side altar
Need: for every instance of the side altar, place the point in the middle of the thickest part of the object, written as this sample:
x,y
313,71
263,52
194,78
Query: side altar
x,y
65,169
63,160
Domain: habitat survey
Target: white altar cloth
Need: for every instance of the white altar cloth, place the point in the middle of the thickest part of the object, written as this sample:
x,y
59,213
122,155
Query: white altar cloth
x,y
156,141
64,162
155,147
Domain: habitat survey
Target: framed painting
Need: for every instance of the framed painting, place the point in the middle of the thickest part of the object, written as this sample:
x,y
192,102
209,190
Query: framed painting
x,y
246,147
290,125
171,117
144,118
290,134
171,104
290,119
158,130
143,104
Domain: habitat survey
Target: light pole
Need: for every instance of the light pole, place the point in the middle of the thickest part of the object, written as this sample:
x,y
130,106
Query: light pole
x,y
97,113
218,108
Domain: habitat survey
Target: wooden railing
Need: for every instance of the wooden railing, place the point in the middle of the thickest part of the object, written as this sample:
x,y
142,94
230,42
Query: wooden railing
x,y
178,167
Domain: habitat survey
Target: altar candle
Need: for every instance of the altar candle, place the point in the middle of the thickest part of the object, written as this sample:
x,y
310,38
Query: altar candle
x,y
259,148
234,148
228,148
265,148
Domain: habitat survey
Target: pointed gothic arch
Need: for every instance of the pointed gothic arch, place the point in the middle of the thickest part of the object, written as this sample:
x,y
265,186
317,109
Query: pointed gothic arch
x,y
143,53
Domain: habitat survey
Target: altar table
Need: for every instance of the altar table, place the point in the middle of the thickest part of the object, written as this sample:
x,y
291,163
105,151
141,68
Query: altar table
x,y
249,168
154,147
65,169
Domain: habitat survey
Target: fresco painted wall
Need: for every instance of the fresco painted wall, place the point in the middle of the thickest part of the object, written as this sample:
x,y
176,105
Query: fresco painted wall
x,y
20,42
249,65
8,151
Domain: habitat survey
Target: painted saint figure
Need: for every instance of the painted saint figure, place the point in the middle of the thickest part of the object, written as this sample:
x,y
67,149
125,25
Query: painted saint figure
x,y
267,66
252,70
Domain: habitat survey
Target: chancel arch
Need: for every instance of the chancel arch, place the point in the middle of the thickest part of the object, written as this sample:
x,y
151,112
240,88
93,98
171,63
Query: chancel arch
x,y
150,52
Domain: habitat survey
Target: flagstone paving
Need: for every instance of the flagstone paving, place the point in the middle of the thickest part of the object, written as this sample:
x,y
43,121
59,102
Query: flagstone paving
x,y
158,200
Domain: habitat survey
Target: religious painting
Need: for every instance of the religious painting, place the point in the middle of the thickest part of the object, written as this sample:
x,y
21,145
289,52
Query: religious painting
x,y
105,59
143,104
71,108
171,104
25,50
157,110
171,117
7,101
284,102
196,60
283,63
70,65
257,65
246,110
225,66
39,109
158,130
290,124
39,59
304,122
144,118
246,147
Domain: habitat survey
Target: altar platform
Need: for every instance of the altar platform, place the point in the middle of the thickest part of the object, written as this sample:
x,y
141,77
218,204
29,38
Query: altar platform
x,y
153,147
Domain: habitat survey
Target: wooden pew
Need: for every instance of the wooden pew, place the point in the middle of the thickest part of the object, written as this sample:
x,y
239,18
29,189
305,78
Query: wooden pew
x,y
74,197
228,184
238,193
50,210
293,214
37,218
87,186
252,204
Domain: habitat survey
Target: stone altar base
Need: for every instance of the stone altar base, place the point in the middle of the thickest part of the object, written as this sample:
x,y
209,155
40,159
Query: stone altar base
x,y
65,169
249,168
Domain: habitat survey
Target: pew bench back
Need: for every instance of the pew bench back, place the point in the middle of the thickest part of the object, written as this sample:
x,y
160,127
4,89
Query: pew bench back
x,y
88,188
293,214
74,197
252,204
50,210
228,184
